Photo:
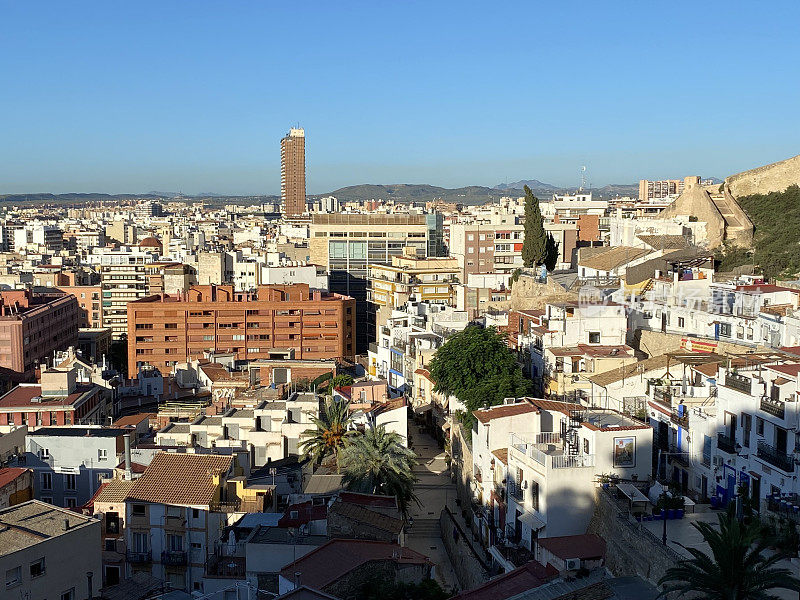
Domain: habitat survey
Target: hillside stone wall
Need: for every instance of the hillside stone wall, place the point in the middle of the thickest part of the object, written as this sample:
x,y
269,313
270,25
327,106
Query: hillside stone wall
x,y
775,177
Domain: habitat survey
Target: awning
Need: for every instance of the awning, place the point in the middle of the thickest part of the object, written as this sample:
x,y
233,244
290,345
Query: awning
x,y
423,408
532,521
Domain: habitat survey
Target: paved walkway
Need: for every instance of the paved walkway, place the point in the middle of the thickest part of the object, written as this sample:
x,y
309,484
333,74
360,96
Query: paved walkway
x,y
434,490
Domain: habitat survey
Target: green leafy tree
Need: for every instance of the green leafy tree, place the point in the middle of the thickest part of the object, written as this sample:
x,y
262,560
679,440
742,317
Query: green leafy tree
x,y
331,432
377,462
534,245
477,367
342,380
550,252
737,568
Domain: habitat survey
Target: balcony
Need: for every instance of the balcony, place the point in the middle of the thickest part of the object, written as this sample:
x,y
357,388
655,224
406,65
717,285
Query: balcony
x,y
226,567
548,450
174,558
740,383
138,557
680,421
516,491
776,408
726,443
775,457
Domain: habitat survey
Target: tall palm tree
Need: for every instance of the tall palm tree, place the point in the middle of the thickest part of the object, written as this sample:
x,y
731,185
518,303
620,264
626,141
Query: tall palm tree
x,y
737,568
377,462
331,431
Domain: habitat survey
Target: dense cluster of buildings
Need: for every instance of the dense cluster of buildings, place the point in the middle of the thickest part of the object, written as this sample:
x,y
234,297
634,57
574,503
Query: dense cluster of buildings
x,y
161,361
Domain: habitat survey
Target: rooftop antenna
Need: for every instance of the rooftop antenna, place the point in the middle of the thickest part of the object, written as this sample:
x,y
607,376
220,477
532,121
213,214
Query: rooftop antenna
x,y
583,177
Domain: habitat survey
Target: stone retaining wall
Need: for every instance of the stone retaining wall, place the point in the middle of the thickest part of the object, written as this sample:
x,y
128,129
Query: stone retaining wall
x,y
470,571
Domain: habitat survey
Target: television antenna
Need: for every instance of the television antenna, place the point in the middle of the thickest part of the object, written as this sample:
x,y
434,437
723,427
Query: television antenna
x,y
583,177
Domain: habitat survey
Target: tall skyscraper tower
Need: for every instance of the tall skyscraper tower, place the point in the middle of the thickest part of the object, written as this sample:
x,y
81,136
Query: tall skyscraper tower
x,y
293,173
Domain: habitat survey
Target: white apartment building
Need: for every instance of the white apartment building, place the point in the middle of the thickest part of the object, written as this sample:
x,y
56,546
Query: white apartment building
x,y
44,563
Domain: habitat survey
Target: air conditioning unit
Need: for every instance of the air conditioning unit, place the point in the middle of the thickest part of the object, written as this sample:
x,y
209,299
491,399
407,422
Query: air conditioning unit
x,y
718,461
572,564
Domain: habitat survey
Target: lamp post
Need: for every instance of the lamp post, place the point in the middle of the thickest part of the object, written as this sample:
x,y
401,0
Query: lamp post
x,y
89,576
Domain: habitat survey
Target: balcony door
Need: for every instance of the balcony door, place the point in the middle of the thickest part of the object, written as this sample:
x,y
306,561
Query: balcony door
x,y
780,440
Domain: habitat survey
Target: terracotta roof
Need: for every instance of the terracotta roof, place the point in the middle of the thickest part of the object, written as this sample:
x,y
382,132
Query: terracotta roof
x,y
22,395
133,420
362,514
587,545
503,410
555,405
501,454
788,369
613,258
528,576
791,349
135,467
707,369
9,474
333,560
114,490
764,288
781,381
633,369
180,479
373,500
306,512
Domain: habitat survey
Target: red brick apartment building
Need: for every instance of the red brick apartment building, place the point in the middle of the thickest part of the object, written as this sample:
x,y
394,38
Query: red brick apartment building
x,y
33,326
289,320
88,297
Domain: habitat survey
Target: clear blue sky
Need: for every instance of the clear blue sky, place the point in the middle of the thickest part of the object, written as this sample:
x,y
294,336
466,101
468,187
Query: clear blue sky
x,y
195,96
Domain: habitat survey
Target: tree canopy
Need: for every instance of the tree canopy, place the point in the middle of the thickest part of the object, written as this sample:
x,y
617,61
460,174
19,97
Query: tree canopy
x,y
377,462
550,252
477,367
330,433
534,247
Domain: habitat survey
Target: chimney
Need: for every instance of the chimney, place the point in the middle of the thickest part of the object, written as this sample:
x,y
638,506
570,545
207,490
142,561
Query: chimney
x,y
66,524
127,439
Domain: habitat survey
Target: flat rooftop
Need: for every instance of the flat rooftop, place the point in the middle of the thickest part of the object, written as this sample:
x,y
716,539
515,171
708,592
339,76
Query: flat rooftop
x,y
79,431
33,522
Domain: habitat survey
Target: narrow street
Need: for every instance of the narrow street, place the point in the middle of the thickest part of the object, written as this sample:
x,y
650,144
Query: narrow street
x,y
434,490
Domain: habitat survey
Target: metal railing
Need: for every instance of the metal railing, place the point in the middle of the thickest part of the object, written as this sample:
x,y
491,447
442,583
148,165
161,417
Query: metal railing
x,y
138,557
775,457
549,438
776,408
567,461
173,557
738,382
726,443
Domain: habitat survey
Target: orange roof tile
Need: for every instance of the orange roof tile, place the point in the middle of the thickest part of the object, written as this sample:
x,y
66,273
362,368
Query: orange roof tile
x,y
180,479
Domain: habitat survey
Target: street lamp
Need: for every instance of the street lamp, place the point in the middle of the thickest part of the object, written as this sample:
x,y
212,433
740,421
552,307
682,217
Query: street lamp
x,y
89,576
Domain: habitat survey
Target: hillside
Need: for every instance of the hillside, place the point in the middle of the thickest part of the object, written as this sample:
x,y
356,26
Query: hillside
x,y
776,217
406,192
534,184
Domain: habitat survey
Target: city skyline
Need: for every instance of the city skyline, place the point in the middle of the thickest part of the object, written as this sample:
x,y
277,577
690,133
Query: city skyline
x,y
136,99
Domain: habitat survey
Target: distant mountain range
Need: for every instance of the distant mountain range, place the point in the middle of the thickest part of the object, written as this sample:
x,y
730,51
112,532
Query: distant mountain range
x,y
534,184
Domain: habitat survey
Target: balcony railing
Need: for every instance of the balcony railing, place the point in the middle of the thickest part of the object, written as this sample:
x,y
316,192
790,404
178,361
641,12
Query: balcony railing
x,y
517,492
138,557
233,567
737,382
173,557
776,408
775,457
681,421
726,443
568,461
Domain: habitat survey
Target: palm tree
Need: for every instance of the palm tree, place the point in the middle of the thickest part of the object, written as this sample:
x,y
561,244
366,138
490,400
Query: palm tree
x,y
331,432
377,462
737,568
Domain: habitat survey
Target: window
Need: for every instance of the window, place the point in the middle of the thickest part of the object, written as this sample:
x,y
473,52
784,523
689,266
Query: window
x,y
47,481
681,322
72,502
586,445
725,329
13,577
44,453
594,337
37,568
170,325
140,542
70,481
102,454
53,420
138,510
760,426
175,542
195,513
68,595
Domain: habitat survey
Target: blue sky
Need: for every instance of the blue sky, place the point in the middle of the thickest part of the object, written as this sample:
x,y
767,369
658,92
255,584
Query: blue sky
x,y
195,96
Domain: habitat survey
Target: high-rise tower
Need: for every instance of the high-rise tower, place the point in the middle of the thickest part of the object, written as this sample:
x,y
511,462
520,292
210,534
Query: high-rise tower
x,y
293,173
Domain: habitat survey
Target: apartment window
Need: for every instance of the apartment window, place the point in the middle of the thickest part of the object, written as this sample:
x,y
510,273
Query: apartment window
x,y
725,329
140,542
111,545
102,454
47,481
53,419
13,576
72,502
37,568
594,337
170,325
681,322
138,510
68,595
44,453
195,513
760,426
70,481
586,445
175,542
